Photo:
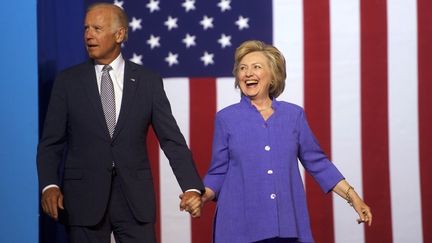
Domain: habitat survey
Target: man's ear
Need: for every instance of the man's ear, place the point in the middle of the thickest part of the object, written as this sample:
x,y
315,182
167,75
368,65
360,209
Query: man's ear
x,y
120,35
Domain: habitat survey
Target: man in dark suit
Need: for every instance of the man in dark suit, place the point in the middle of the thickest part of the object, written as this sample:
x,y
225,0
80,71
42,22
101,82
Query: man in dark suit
x,y
97,122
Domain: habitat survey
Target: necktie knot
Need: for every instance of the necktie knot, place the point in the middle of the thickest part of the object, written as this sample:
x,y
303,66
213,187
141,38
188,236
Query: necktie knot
x,y
107,68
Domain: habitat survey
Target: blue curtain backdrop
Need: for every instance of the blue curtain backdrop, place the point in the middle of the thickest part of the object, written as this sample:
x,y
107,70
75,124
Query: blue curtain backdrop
x,y
18,122
60,45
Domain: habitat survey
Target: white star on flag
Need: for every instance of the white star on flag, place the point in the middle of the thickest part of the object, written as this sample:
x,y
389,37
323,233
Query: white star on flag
x,y
171,59
224,40
189,40
153,6
153,41
171,23
189,5
224,5
135,24
206,22
242,22
118,3
136,59
207,58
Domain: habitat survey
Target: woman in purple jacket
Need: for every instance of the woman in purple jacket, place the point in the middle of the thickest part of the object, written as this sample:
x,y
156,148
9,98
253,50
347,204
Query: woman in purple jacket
x,y
254,175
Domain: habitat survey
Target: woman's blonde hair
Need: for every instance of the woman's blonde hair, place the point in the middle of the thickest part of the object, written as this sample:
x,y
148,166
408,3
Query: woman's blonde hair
x,y
275,59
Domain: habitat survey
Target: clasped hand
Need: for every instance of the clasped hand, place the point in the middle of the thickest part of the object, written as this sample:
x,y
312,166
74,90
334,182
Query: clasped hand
x,y
191,202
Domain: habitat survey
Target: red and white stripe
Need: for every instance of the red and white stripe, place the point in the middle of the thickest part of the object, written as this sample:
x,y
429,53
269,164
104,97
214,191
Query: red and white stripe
x,y
363,72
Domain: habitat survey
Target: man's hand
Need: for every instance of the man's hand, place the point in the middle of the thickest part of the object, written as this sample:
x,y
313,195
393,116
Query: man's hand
x,y
191,202
52,199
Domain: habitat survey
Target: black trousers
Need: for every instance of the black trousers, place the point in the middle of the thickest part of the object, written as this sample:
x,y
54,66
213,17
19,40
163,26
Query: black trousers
x,y
117,219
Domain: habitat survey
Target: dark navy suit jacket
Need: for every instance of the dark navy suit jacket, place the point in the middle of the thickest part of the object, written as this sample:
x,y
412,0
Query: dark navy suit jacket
x,y
75,131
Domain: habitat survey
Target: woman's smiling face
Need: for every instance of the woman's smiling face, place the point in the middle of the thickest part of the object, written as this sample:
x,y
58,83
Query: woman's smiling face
x,y
254,75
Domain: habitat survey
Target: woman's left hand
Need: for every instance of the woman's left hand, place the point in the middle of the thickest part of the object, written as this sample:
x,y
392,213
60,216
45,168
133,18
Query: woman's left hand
x,y
347,192
363,210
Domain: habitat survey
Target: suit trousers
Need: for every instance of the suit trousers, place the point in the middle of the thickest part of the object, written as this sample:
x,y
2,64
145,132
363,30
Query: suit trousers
x,y
118,219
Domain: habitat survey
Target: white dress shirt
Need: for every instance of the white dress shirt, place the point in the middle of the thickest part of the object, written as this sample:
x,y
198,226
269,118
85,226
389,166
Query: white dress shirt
x,y
117,76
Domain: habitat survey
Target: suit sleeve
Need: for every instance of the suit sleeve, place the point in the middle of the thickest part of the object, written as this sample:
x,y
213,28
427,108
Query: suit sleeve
x,y
52,144
172,141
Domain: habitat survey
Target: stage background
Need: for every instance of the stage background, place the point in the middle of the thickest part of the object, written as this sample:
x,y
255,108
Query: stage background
x,y
361,69
18,122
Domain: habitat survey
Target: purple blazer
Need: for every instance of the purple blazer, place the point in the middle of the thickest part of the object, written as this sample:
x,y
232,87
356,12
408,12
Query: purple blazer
x,y
255,174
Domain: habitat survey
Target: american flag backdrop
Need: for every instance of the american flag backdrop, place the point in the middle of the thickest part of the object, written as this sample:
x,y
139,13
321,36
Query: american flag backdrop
x,y
362,69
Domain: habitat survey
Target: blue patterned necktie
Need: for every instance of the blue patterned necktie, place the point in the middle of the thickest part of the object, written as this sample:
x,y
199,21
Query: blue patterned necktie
x,y
108,99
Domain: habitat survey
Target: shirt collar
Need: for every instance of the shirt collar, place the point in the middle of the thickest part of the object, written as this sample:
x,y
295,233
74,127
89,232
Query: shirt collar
x,y
245,100
116,64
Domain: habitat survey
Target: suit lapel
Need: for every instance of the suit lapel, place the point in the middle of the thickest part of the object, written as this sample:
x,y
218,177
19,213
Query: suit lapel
x,y
91,88
129,88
